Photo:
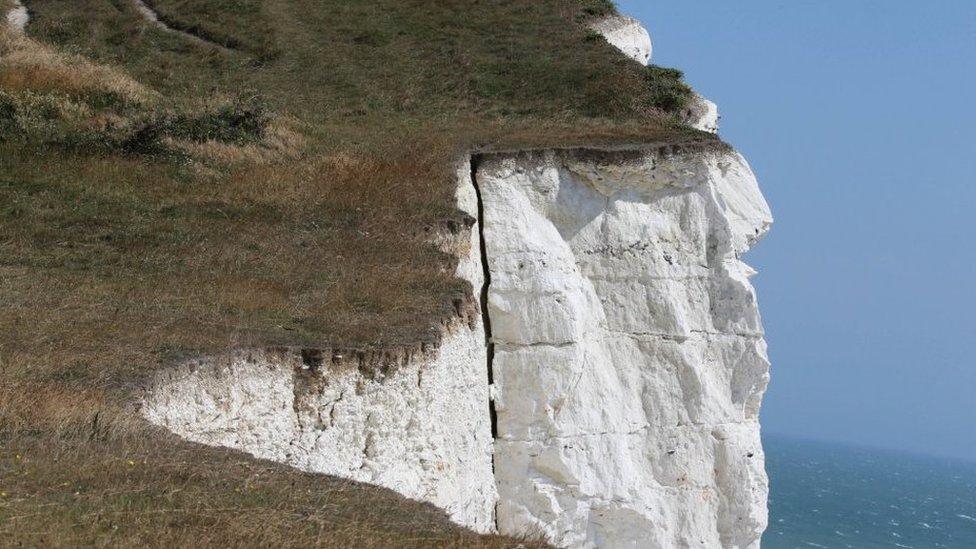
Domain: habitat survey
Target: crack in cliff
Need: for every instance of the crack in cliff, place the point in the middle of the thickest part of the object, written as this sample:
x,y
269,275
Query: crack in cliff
x,y
486,283
486,319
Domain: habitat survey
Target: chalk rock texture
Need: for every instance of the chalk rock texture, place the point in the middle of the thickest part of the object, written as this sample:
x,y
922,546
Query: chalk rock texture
x,y
17,16
629,360
423,430
702,114
626,34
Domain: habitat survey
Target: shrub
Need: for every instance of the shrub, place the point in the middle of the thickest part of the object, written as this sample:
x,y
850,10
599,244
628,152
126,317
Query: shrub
x,y
40,118
667,91
598,8
102,126
241,121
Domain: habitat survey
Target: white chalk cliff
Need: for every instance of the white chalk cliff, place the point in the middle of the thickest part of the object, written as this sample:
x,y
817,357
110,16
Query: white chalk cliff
x,y
701,114
423,430
620,331
629,362
626,34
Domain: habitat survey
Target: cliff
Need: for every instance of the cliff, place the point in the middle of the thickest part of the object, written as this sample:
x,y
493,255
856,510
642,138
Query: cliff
x,y
510,293
629,363
625,351
623,344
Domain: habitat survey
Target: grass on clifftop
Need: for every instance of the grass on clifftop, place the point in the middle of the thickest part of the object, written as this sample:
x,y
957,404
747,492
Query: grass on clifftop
x,y
161,198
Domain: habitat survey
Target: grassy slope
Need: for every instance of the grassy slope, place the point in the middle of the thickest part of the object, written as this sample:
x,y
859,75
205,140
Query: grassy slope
x,y
118,257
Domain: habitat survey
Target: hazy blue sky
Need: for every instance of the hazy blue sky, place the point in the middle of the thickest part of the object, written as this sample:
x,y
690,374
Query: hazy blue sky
x,y
858,118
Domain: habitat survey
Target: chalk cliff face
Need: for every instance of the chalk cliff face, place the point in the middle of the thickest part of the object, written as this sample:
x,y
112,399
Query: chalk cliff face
x,y
626,34
629,362
423,431
701,114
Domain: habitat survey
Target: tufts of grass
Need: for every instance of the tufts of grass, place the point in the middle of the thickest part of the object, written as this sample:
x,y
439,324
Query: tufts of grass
x,y
107,481
243,120
597,8
55,120
240,121
48,98
666,89
235,24
27,65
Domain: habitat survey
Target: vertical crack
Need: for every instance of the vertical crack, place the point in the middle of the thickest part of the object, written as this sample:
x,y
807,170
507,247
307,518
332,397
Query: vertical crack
x,y
485,317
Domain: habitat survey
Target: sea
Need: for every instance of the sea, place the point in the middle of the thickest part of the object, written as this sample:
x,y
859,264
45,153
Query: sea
x,y
835,496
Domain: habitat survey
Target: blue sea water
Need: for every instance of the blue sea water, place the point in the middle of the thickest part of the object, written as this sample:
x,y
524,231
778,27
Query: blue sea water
x,y
829,495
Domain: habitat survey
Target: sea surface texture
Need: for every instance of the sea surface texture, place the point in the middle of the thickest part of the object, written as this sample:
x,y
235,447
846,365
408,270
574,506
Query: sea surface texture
x,y
826,495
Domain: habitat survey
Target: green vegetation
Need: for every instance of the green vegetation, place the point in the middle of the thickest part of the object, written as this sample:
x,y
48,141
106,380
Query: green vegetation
x,y
236,24
667,90
161,197
50,99
597,8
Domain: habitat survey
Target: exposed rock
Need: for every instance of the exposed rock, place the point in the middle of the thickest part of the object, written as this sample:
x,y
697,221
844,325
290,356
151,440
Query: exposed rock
x,y
18,16
626,34
702,114
629,357
423,429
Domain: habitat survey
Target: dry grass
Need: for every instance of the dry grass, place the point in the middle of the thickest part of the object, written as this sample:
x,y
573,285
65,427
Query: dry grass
x,y
148,214
281,143
28,65
151,490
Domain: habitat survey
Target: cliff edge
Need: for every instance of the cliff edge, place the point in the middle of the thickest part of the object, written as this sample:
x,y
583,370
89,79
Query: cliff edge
x,y
500,305
618,336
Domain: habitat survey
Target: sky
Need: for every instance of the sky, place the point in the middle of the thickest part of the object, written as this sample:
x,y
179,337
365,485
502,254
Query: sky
x,y
857,117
